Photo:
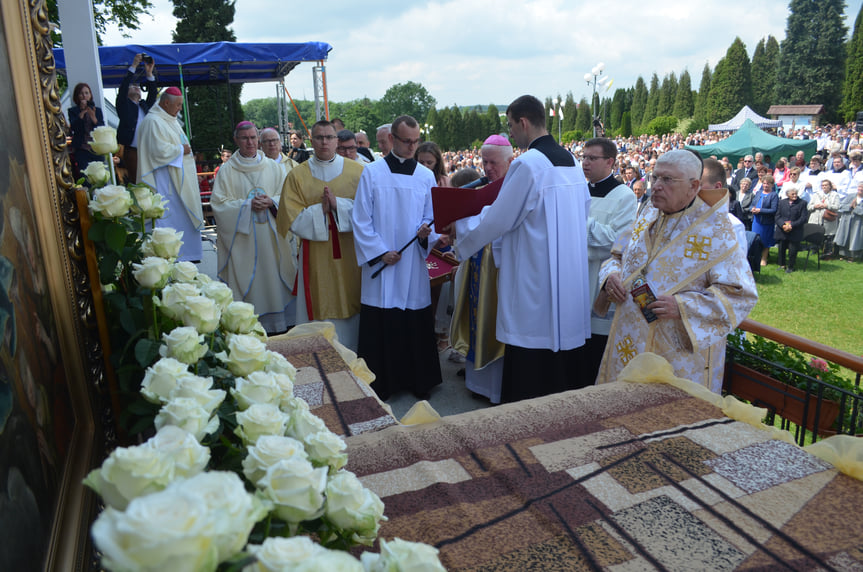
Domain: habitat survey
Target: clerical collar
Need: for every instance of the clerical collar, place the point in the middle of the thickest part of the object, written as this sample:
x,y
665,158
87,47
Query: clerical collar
x,y
603,187
322,162
558,156
248,161
400,166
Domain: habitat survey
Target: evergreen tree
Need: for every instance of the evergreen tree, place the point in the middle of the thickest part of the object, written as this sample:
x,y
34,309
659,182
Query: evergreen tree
x,y
442,129
812,61
699,112
550,119
683,102
667,95
570,112
617,109
213,110
432,120
408,98
492,121
731,86
652,101
852,90
639,101
765,60
583,121
626,124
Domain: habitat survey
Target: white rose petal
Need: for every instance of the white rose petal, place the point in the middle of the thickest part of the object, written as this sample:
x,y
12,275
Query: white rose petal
x,y
201,313
168,530
97,174
189,456
111,201
184,271
260,419
163,242
246,354
187,414
354,508
257,387
402,555
152,272
161,378
279,364
269,450
219,292
185,344
239,318
104,140
277,554
325,448
199,389
149,204
296,488
331,561
130,472
305,423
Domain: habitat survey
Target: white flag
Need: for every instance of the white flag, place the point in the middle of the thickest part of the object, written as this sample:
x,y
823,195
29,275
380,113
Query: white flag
x,y
561,114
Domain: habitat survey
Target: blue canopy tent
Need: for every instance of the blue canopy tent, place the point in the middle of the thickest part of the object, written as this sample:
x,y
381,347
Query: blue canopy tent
x,y
207,63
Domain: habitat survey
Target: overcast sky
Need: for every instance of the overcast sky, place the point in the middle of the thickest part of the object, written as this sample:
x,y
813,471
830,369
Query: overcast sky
x,y
491,51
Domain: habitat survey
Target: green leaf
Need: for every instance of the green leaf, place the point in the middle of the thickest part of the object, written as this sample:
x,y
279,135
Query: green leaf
x,y
128,321
108,267
146,351
97,231
115,237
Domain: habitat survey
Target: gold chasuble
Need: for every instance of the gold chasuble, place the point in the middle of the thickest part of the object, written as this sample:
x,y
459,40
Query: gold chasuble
x,y
331,276
692,255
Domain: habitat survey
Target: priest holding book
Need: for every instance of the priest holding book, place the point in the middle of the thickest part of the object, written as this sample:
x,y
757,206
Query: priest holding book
x,y
540,215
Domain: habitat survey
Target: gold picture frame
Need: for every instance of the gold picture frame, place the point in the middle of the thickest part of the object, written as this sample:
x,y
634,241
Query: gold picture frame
x,y
55,418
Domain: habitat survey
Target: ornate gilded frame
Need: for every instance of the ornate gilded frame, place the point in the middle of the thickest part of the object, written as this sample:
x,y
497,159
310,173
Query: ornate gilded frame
x,y
80,373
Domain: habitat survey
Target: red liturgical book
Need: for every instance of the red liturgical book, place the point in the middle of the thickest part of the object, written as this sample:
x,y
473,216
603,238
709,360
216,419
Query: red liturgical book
x,y
453,203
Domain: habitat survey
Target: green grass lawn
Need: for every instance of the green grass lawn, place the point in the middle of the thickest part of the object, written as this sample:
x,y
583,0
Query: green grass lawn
x,y
822,305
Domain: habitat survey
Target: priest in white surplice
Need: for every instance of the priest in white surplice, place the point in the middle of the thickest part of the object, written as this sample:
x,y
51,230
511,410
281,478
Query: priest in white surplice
x,y
316,206
393,206
271,146
540,215
254,260
166,163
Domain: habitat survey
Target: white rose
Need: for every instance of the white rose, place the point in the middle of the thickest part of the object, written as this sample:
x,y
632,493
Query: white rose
x,y
279,364
152,272
104,140
269,450
331,561
296,488
97,174
187,414
219,292
199,389
258,420
201,313
233,511
184,271
354,508
172,302
403,556
130,472
185,344
111,201
257,387
163,242
284,382
245,354
161,378
325,448
202,279
277,554
189,456
148,204
303,424
239,318
168,530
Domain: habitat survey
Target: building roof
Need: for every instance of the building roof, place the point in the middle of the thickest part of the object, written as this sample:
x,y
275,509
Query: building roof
x,y
795,110
745,114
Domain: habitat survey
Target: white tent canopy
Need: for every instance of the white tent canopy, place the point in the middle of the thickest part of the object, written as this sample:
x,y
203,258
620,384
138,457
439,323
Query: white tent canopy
x,y
734,123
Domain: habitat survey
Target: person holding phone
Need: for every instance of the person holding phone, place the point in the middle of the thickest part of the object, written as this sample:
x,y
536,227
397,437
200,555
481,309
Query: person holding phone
x,y
131,109
84,116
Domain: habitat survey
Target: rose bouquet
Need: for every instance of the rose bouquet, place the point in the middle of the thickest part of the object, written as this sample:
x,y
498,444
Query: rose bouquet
x,y
237,473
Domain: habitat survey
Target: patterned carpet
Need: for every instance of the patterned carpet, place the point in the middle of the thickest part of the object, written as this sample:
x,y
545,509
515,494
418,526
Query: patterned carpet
x,y
619,477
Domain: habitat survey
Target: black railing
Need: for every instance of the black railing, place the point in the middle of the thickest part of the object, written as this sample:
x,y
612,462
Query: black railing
x,y
803,408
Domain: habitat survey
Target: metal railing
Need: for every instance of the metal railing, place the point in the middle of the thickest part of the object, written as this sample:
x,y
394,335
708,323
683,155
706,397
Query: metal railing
x,y
806,411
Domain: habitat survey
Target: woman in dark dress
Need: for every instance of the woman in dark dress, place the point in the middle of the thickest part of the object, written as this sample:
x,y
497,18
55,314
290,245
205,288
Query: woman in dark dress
x,y
83,118
764,205
790,218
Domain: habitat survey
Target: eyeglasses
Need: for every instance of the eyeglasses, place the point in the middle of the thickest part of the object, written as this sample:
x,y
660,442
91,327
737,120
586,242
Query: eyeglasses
x,y
407,141
346,147
268,141
594,157
664,179
747,160
323,137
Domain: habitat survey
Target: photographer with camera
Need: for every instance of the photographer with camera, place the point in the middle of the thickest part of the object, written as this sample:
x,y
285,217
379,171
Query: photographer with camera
x,y
83,118
131,110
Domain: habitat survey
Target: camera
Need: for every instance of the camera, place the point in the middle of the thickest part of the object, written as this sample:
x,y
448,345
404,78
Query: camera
x,y
146,59
91,104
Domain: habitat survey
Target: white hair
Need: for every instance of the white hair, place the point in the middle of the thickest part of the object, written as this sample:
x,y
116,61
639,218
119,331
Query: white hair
x,y
385,128
505,151
686,161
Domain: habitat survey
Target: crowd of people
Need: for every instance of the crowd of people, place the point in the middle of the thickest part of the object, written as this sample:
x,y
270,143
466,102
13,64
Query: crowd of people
x,y
588,255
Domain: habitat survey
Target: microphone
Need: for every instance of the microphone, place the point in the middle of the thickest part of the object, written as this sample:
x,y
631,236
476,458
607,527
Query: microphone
x,y
474,184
